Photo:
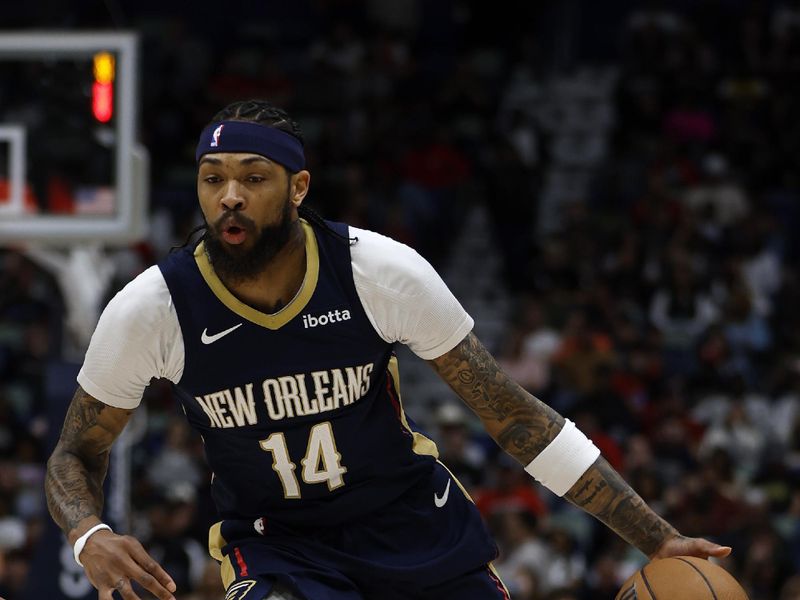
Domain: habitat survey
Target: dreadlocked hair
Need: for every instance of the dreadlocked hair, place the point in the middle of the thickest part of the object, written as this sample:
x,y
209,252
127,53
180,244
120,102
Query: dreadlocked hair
x,y
316,220
265,113
261,112
189,236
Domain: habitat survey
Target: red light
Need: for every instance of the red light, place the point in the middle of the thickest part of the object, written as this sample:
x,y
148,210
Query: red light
x,y
102,101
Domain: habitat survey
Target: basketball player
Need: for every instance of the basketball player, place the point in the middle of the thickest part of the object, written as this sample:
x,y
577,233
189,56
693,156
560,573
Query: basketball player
x,y
278,330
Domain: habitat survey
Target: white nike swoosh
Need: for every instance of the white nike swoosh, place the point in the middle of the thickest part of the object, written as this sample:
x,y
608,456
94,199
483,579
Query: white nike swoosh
x,y
440,502
210,339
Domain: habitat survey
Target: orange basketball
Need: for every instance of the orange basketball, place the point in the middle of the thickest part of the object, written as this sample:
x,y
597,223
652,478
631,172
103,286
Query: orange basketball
x,y
681,578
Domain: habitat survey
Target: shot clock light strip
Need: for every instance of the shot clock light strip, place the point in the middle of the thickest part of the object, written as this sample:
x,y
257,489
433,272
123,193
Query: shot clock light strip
x,y
103,86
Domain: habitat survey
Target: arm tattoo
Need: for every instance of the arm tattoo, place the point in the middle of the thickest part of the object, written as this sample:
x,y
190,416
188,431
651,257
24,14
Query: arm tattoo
x,y
78,465
523,426
602,492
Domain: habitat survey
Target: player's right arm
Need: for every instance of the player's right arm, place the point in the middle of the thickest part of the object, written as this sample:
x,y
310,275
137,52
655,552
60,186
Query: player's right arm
x,y
74,489
136,339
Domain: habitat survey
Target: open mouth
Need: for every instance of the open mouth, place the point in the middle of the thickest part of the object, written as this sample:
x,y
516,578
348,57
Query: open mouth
x,y
234,234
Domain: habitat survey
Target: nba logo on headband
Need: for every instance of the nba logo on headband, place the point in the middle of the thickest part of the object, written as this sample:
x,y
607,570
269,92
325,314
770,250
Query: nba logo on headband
x,y
245,136
215,136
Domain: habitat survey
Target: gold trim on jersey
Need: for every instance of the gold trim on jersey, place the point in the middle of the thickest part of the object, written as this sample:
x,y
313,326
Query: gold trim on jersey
x,y
421,444
458,483
226,572
496,574
215,541
215,545
288,312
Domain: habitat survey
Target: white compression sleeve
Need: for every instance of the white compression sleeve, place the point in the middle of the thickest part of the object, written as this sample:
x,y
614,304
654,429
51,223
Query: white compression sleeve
x,y
564,460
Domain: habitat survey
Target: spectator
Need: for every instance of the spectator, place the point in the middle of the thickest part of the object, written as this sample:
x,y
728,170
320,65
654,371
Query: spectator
x,y
509,490
210,585
581,353
175,463
712,499
717,195
565,567
738,437
765,564
529,350
604,580
611,414
465,458
171,515
525,554
682,313
791,589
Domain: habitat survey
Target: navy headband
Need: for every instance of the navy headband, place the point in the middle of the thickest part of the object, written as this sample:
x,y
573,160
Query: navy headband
x,y
246,136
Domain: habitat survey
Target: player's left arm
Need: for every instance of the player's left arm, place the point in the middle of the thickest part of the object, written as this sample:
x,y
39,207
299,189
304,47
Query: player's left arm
x,y
524,426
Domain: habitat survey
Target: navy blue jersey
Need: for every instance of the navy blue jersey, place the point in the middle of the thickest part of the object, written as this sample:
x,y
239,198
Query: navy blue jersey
x,y
429,544
299,411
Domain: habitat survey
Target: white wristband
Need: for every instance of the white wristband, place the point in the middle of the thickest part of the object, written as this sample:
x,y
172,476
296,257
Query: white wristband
x,y
564,460
81,541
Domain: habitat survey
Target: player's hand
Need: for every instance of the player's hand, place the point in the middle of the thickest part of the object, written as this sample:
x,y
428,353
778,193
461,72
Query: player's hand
x,y
112,562
684,546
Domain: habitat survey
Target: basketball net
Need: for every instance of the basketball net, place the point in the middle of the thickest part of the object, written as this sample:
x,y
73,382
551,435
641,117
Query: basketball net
x,y
83,273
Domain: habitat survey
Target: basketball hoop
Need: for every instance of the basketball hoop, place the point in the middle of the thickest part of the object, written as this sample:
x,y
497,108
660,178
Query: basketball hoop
x,y
83,273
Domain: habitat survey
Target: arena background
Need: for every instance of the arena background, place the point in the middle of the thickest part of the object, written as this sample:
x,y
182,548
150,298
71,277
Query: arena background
x,y
611,189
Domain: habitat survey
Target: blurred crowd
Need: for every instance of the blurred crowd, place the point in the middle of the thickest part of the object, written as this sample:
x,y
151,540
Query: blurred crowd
x,y
655,306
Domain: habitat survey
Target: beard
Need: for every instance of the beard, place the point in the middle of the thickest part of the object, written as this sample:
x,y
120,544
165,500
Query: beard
x,y
233,263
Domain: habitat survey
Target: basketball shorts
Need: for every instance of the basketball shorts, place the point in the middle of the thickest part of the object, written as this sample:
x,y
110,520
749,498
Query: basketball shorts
x,y
429,544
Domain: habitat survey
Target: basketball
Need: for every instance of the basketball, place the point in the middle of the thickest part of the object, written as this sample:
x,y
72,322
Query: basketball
x,y
681,577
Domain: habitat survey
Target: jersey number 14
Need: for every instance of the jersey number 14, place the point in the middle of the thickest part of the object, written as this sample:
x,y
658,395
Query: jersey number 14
x,y
321,464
